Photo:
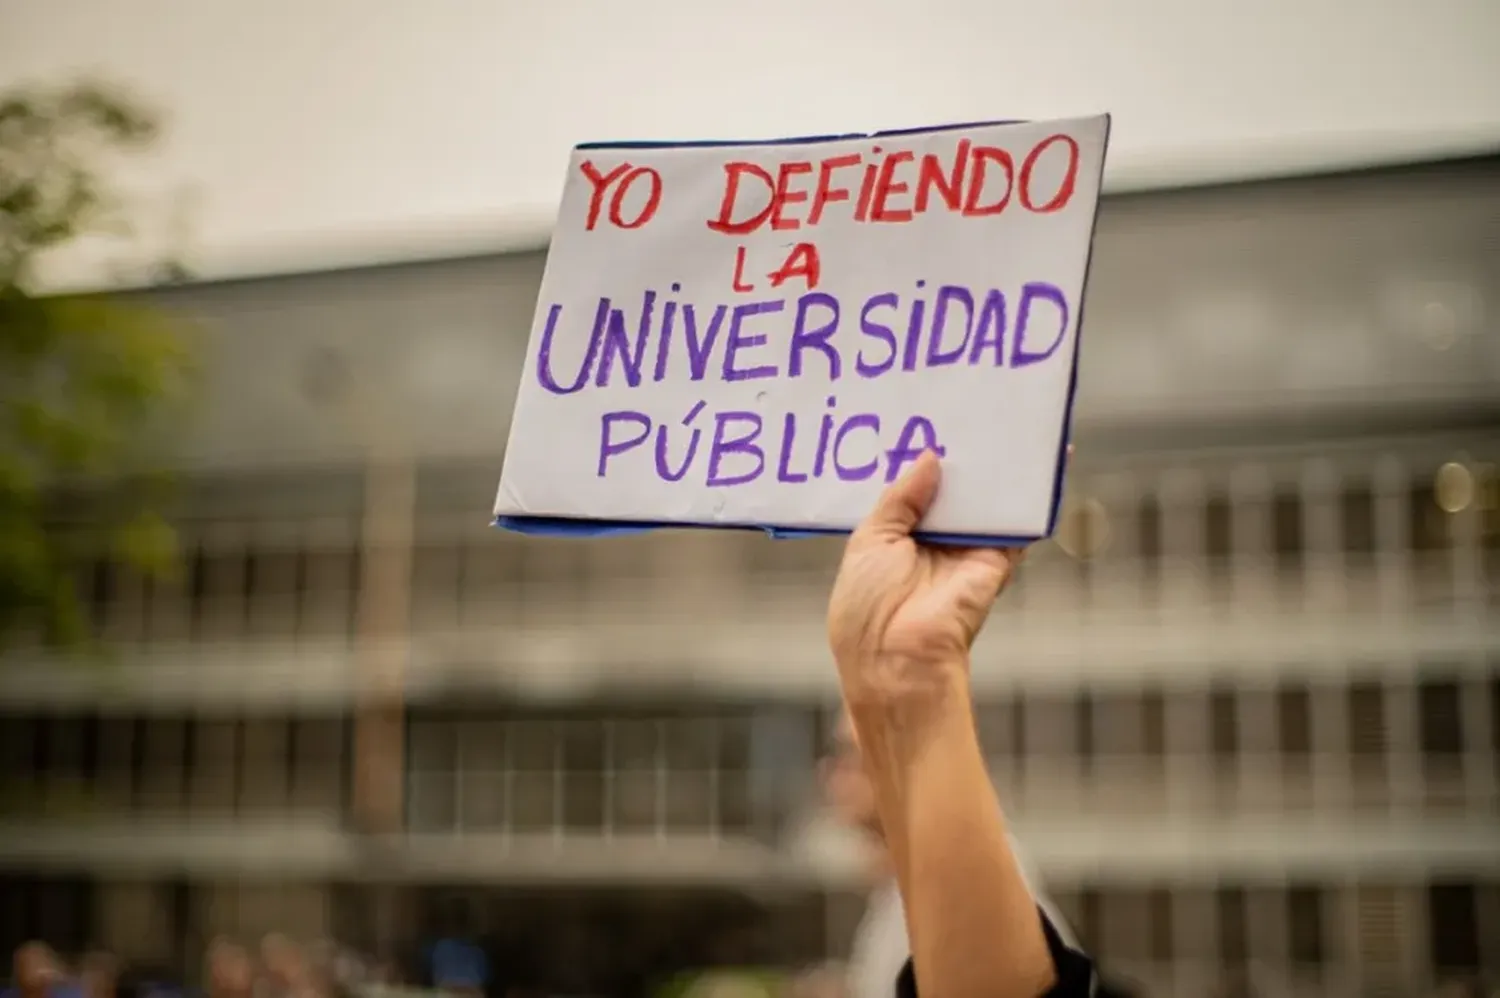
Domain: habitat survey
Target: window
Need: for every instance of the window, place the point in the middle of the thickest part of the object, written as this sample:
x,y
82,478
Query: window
x,y
491,566
484,774
1440,719
265,764
319,761
57,910
1294,721
431,773
692,760
272,579
1160,939
764,763
163,759
636,751
135,921
103,589
1357,515
1495,717
1149,533
1218,531
1430,530
223,573
1306,945
1125,932
1223,726
118,741
1083,534
1018,728
1050,719
1287,539
1453,927
555,572
72,745
436,578
1154,723
1367,726
1119,724
1091,921
166,613
1378,924
214,786
197,582
992,721
1083,730
582,749
534,758
1368,744
21,746
1234,927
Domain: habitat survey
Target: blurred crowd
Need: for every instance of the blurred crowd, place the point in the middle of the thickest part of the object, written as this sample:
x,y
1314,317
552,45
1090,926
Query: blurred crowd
x,y
449,966
277,968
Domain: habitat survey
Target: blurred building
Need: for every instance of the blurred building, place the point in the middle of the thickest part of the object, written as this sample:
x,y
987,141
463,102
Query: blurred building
x,y
1245,708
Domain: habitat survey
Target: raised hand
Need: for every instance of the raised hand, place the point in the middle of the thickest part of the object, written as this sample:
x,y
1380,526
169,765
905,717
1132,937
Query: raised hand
x,y
903,615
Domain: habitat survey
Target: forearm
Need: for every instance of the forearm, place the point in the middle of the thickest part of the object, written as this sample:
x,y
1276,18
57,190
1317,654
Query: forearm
x,y
973,923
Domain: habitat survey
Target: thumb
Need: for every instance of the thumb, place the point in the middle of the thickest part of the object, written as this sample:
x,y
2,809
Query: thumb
x,y
906,500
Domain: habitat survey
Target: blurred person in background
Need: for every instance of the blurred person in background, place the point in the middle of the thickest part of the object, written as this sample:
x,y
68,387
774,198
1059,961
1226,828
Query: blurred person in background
x,y
831,981
150,980
36,972
340,970
285,970
957,916
455,962
380,976
99,975
229,972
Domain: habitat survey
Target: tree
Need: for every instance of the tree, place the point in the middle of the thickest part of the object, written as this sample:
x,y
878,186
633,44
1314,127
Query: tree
x,y
85,379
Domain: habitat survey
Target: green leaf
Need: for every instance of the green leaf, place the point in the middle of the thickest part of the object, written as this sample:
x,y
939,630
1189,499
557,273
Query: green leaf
x,y
148,543
87,382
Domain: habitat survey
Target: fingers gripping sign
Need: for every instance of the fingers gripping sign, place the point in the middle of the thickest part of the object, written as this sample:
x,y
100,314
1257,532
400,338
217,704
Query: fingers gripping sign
x,y
903,614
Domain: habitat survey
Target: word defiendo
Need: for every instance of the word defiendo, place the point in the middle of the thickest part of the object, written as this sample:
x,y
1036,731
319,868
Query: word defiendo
x,y
741,342
845,446
896,186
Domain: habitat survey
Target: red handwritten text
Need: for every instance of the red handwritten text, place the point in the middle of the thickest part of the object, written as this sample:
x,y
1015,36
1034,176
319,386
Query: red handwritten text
x,y
623,179
803,261
894,187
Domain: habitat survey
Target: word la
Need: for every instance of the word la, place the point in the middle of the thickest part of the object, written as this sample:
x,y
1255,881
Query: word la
x,y
803,261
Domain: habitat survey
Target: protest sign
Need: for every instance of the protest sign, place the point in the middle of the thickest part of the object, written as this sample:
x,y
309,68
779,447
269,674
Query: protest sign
x,y
765,334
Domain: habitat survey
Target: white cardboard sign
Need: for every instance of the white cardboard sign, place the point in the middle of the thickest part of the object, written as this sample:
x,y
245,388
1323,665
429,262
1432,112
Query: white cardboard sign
x,y
765,334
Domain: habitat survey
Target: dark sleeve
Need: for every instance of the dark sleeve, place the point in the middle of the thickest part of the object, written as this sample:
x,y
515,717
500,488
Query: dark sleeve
x,y
1075,971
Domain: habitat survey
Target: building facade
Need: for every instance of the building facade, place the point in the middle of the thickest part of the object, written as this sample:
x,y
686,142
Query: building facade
x,y
1245,708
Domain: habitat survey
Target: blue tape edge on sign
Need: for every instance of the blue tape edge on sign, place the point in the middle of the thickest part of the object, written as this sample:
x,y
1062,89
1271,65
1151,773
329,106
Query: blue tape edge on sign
x,y
559,526
795,140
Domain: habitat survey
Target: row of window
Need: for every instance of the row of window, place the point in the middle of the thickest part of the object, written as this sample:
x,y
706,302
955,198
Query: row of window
x,y
1438,719
1305,930
299,578
90,763
1301,925
1433,743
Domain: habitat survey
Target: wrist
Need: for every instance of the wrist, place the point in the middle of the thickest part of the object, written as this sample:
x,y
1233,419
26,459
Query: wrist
x,y
911,700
